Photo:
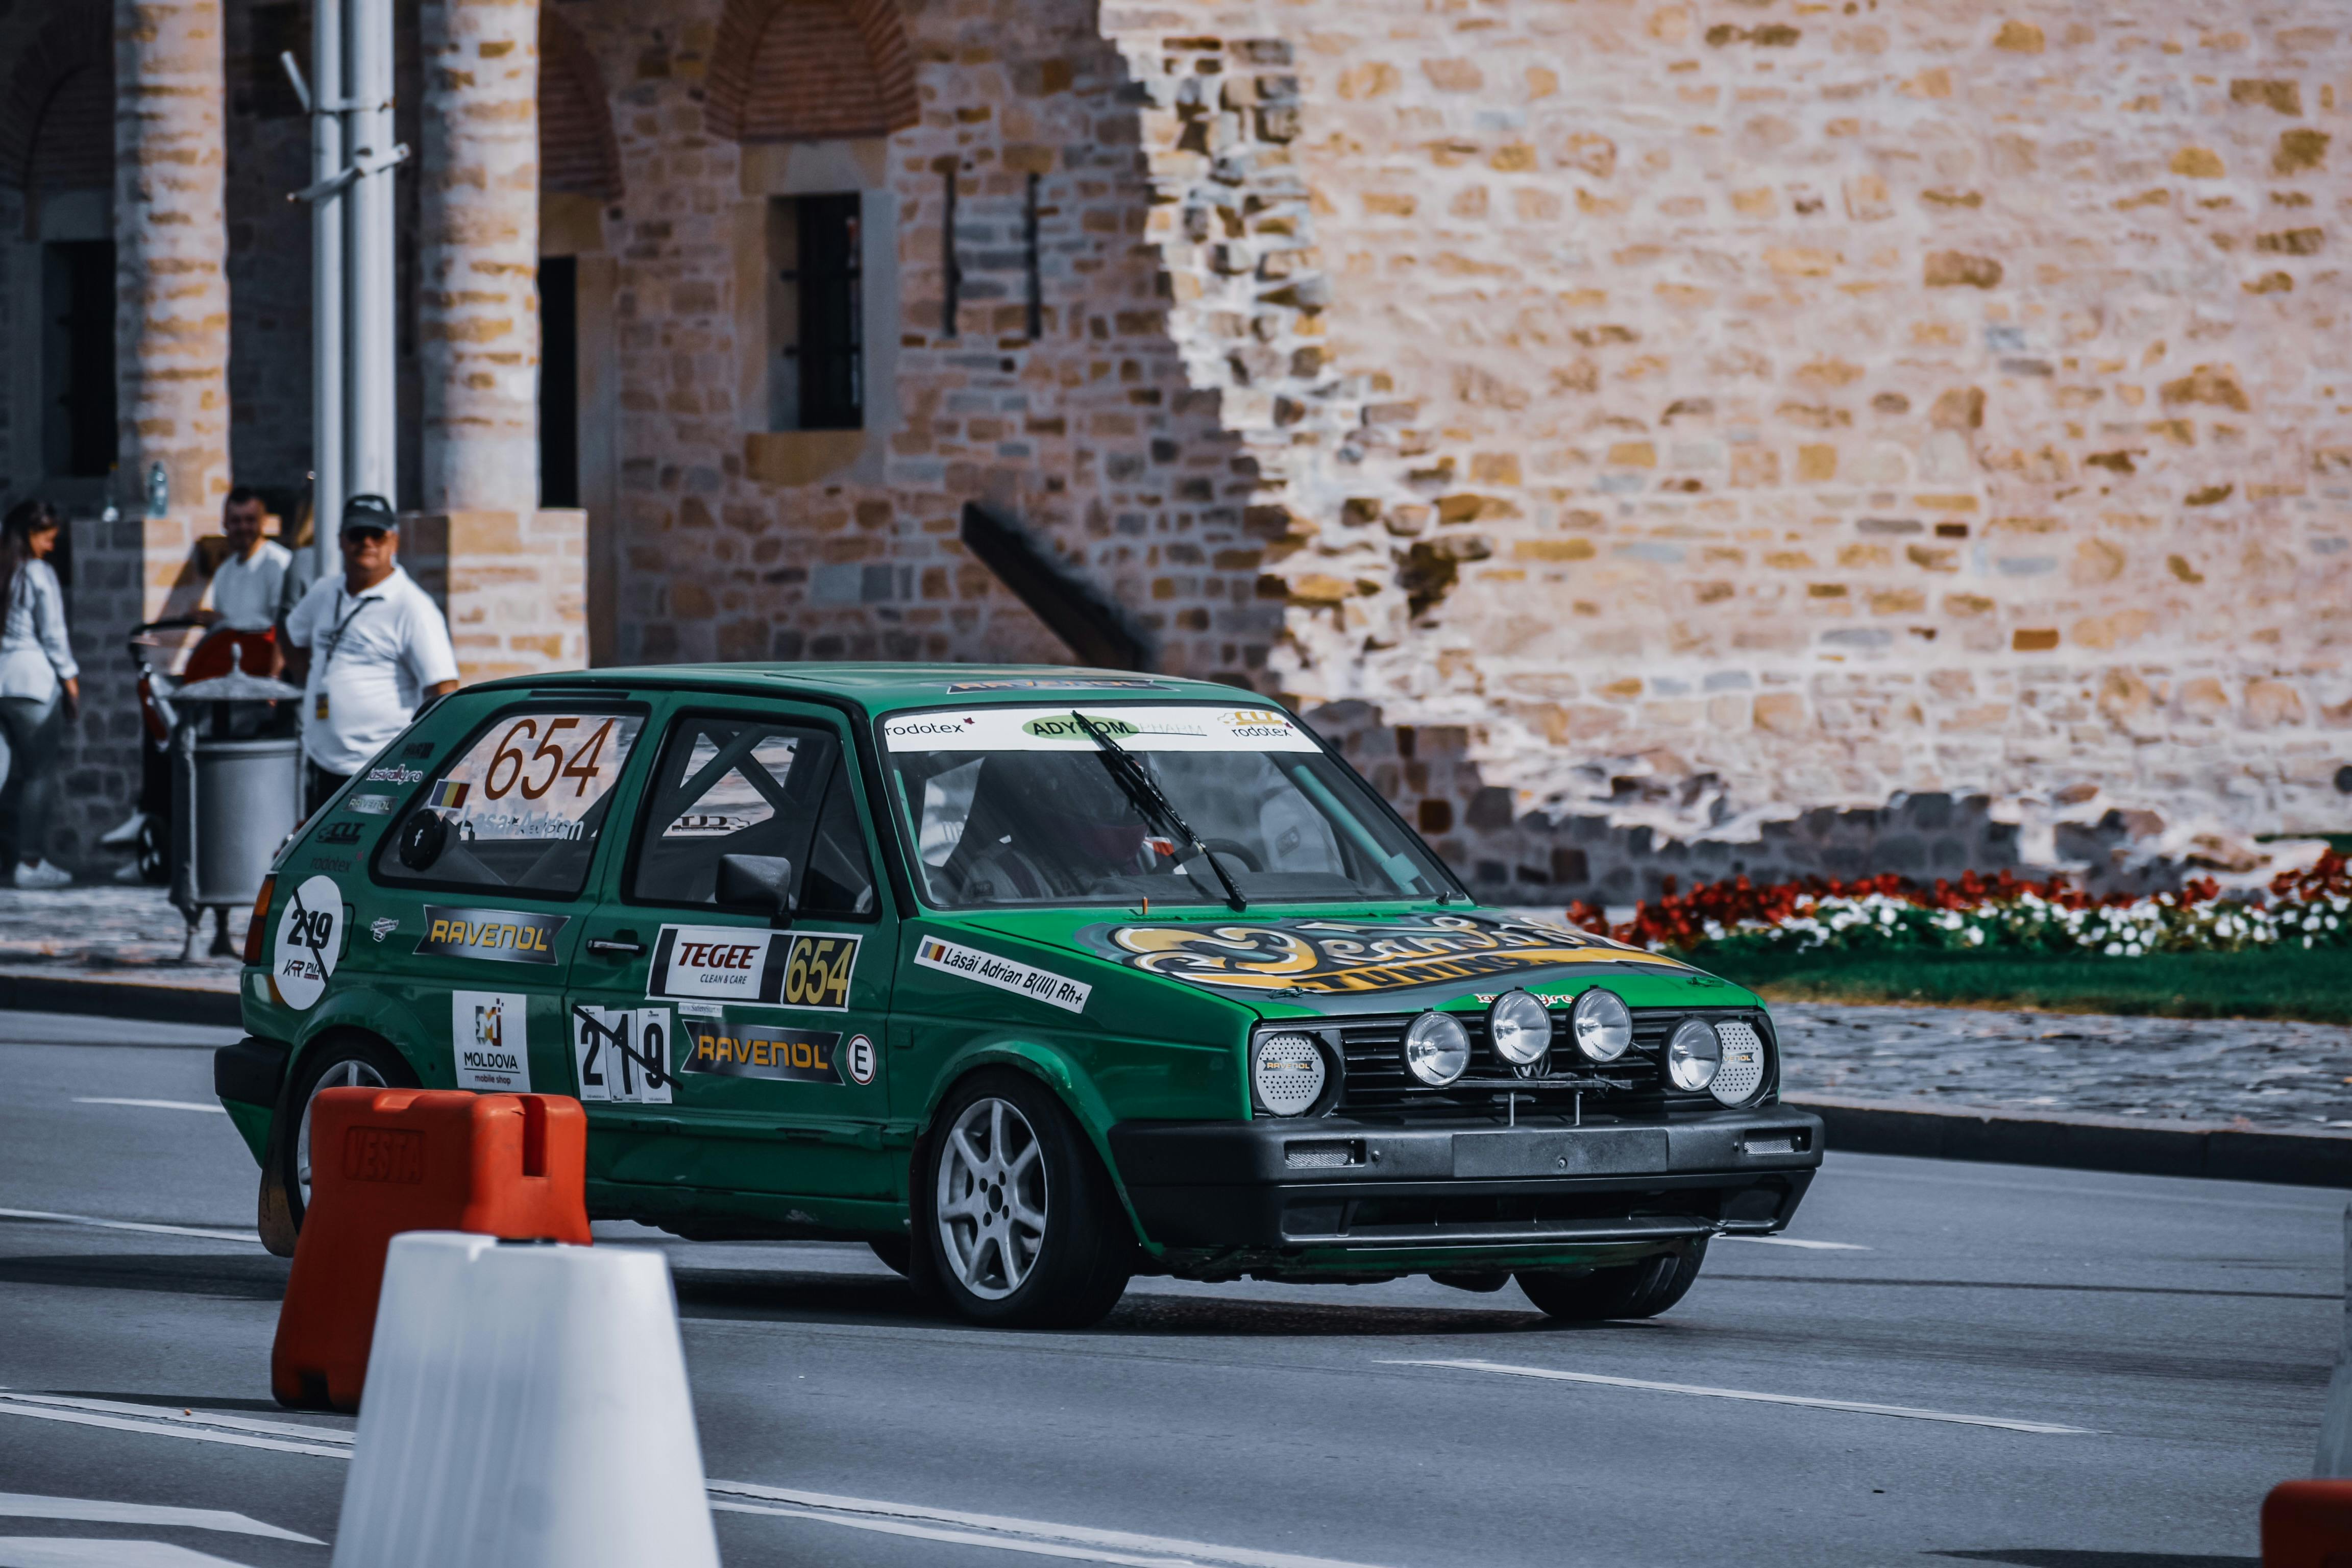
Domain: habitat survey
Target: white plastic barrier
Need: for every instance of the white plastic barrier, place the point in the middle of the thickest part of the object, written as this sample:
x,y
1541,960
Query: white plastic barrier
x,y
527,1407
2336,1426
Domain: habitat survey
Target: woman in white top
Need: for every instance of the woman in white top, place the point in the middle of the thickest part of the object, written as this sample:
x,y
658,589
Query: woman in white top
x,y
39,686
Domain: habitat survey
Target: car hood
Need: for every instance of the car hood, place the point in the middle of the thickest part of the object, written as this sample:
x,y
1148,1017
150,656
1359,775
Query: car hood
x,y
1326,964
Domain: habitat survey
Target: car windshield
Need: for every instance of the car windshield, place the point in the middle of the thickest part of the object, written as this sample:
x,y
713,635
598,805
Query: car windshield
x,y
1116,805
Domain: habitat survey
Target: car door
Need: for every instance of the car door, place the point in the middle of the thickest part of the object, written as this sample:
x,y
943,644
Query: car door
x,y
746,1045
472,913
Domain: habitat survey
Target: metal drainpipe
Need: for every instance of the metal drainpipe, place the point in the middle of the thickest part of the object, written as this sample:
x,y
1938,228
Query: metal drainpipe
x,y
371,455
327,489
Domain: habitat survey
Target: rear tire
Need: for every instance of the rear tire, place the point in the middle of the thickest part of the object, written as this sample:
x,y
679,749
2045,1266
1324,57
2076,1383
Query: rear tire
x,y
346,1061
1016,1224
1641,1290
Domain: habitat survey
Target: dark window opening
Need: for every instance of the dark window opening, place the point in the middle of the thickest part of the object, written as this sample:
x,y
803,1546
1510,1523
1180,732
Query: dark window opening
x,y
816,308
77,430
558,380
281,27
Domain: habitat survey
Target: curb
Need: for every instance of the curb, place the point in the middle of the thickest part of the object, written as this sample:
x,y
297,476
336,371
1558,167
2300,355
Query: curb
x,y
145,1000
2215,1150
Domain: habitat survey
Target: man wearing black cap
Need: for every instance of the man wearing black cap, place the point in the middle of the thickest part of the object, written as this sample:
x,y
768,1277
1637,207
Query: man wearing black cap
x,y
369,648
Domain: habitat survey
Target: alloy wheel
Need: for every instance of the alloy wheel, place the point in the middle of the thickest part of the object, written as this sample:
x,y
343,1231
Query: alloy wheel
x,y
991,1198
346,1074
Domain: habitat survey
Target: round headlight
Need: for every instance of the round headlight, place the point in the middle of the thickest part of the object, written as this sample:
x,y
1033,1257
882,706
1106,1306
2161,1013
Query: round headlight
x,y
1602,1024
1437,1049
1288,1073
1520,1029
1693,1055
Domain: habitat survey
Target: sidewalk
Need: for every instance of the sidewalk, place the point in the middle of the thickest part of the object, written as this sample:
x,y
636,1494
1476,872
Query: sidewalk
x,y
112,951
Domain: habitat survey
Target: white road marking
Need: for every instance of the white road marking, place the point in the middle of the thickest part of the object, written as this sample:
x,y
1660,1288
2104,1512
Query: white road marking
x,y
1122,1546
961,1537
1794,1241
170,1429
50,1551
149,1104
1856,1407
186,1417
21,1505
246,1235
1036,1537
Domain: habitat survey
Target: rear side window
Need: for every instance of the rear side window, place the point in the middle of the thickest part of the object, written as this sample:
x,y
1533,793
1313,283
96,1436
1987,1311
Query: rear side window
x,y
734,786
520,808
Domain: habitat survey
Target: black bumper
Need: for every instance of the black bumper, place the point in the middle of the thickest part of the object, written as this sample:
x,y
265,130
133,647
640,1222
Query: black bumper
x,y
1362,1189
249,1071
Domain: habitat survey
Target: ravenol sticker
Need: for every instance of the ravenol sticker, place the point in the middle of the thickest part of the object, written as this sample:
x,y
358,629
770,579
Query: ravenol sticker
x,y
1004,973
504,936
489,1038
309,940
370,804
761,1050
731,963
623,1054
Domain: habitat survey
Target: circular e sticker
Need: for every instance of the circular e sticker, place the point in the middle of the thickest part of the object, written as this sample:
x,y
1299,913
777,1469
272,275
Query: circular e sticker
x,y
310,935
860,1058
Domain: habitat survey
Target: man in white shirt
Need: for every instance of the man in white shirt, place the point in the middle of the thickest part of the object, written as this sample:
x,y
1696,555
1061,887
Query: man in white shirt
x,y
246,585
368,646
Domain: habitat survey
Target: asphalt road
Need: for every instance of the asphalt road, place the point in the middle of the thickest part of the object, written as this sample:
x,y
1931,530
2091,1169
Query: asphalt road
x,y
2179,1333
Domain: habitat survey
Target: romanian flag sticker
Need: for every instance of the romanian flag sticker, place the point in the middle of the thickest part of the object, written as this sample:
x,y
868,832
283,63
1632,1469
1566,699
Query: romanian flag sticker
x,y
449,794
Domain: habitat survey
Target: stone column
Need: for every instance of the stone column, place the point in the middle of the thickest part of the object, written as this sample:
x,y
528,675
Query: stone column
x,y
170,249
515,580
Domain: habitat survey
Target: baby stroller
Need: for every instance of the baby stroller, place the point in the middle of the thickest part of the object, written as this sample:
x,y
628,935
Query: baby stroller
x,y
168,655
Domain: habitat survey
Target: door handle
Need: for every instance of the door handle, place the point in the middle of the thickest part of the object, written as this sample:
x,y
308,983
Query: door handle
x,y
623,945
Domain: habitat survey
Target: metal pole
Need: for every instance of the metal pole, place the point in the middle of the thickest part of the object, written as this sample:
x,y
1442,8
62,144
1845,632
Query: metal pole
x,y
371,454
327,491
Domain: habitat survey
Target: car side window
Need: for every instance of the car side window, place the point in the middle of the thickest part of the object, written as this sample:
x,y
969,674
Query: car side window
x,y
520,808
734,786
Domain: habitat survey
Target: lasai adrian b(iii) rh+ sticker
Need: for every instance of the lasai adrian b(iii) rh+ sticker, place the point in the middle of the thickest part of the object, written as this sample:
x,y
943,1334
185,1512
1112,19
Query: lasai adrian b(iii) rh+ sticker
x,y
987,969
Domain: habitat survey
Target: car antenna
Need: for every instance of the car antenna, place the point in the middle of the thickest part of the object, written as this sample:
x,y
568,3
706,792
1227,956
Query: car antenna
x,y
1152,801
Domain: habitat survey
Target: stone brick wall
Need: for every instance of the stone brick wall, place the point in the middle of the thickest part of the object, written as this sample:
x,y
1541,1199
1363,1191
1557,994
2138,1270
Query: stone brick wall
x,y
1090,433
1788,407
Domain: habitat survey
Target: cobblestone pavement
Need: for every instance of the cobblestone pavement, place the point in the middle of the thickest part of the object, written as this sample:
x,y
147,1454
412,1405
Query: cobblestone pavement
x,y
2263,1071
110,932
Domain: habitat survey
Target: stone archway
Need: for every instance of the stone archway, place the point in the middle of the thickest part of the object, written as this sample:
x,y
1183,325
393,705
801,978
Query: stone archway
x,y
811,71
56,114
578,154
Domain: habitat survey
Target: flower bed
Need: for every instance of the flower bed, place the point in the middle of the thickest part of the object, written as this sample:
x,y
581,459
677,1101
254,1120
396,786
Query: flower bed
x,y
2312,908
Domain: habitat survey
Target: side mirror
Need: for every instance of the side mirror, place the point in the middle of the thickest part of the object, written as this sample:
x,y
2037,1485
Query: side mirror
x,y
757,884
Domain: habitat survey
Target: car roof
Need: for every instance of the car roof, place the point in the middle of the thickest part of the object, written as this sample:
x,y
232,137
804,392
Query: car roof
x,y
886,688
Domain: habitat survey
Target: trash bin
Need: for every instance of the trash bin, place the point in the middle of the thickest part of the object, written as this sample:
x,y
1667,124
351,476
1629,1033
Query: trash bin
x,y
236,794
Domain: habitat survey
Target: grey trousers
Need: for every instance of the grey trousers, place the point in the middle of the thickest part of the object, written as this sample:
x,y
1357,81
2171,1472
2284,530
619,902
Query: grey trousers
x,y
36,733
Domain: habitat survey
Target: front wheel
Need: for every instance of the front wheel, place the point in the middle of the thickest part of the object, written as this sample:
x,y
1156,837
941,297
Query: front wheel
x,y
352,1061
1641,1290
1023,1230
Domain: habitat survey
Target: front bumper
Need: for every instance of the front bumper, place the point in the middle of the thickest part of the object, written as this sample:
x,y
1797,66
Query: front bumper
x,y
1347,1195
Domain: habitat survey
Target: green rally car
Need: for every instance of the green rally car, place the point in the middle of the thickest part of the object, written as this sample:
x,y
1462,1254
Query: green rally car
x,y
1034,978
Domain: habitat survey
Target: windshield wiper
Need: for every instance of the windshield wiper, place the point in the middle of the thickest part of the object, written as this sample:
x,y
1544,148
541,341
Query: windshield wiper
x,y
1150,799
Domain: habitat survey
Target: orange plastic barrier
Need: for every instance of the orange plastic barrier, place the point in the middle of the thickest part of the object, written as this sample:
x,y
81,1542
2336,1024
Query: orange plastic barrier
x,y
383,1160
2308,1524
